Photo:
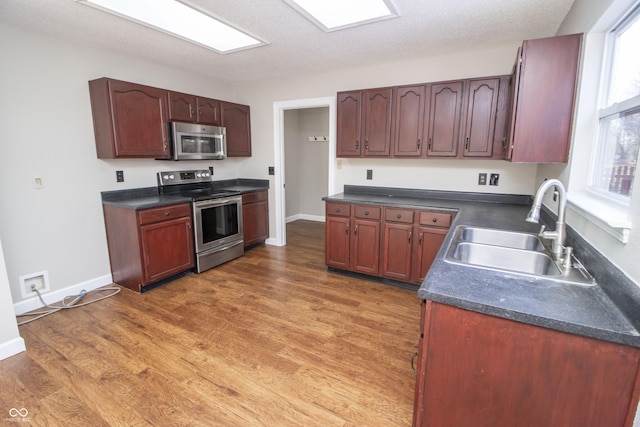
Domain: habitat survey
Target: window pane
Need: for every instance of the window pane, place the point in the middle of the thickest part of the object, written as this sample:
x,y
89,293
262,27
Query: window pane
x,y
619,155
625,77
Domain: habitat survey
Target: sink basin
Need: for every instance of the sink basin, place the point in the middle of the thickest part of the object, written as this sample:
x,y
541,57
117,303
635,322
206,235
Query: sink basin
x,y
509,239
514,252
505,258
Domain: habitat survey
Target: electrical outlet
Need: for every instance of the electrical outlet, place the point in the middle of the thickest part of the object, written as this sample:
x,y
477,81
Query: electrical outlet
x,y
482,179
119,176
272,170
211,170
369,173
31,282
493,179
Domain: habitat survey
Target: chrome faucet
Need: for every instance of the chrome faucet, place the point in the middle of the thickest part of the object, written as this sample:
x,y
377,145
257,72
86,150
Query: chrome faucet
x,y
558,235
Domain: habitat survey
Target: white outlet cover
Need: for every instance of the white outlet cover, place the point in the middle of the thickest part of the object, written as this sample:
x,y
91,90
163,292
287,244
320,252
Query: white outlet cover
x,y
26,277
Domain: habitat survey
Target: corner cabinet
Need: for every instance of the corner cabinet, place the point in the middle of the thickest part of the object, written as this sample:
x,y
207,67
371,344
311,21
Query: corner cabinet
x,y
479,370
129,120
255,217
544,84
148,245
393,243
236,119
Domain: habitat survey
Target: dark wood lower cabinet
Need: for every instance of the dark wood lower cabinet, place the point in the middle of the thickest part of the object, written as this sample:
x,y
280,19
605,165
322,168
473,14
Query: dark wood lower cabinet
x,y
398,244
352,237
148,245
479,370
255,217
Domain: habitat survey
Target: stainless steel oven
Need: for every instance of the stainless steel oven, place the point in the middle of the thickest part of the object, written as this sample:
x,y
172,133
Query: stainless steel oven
x,y
218,231
217,215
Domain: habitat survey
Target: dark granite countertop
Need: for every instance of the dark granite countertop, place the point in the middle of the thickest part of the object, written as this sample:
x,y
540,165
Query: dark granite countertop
x,y
148,197
607,311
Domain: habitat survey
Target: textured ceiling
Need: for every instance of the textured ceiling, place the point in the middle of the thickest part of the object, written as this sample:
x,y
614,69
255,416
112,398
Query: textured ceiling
x,y
296,46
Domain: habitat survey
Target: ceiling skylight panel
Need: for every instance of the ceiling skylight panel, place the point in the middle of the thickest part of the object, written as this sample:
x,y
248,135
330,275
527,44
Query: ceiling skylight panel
x,y
331,15
181,21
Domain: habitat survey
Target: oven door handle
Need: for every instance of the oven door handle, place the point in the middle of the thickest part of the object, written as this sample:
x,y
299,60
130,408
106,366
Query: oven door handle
x,y
230,245
218,202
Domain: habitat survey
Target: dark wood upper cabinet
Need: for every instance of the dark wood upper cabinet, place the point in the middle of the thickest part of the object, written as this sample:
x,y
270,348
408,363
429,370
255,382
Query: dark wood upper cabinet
x,y
236,119
129,120
408,122
209,111
364,123
376,122
542,101
444,119
182,107
349,109
480,118
193,109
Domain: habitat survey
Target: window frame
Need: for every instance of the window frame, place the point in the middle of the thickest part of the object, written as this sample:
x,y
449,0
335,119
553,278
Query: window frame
x,y
608,110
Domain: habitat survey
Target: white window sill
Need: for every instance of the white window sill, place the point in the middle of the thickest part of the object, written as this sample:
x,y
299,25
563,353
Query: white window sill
x,y
609,217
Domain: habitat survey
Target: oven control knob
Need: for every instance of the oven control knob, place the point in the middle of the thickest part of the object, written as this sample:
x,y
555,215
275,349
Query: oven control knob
x,y
165,176
171,176
205,174
198,175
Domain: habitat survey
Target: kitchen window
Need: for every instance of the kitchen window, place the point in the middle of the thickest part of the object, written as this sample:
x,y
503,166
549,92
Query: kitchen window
x,y
616,152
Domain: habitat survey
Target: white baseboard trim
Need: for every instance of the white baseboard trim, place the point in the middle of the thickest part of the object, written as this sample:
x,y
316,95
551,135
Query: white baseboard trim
x,y
12,347
317,218
33,303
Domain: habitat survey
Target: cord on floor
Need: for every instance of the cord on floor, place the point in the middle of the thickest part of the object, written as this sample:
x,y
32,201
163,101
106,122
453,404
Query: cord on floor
x,y
64,304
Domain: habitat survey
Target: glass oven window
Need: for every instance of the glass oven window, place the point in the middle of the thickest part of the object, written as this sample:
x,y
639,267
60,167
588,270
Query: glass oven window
x,y
219,222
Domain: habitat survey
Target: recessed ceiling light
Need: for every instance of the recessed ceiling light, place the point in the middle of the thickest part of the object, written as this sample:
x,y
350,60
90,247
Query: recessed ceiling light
x,y
332,15
180,20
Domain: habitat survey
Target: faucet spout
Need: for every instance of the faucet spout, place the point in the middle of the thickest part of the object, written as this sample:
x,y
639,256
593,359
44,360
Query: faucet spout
x,y
557,237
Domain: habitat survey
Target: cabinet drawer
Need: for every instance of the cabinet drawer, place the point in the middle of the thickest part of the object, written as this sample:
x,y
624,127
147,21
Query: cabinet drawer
x,y
398,215
338,209
367,212
435,219
148,216
257,196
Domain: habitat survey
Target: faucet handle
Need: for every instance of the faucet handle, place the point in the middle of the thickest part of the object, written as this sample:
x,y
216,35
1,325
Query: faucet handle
x,y
541,232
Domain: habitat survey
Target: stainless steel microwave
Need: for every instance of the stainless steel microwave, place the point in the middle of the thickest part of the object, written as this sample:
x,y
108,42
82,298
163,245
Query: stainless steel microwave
x,y
191,141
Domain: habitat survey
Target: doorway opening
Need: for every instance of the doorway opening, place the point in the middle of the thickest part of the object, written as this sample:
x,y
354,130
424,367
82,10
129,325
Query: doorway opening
x,y
294,122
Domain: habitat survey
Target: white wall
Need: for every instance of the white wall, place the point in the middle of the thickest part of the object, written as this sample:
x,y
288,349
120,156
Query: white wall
x,y
430,174
291,137
46,131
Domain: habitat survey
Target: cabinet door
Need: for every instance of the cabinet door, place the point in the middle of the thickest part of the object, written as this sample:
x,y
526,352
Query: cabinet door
x,y
444,119
544,92
377,122
255,217
236,119
167,248
349,110
182,107
129,120
337,242
209,111
365,248
428,243
409,121
396,262
480,120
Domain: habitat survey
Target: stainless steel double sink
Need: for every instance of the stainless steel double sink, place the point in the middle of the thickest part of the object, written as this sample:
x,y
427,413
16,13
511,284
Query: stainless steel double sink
x,y
513,252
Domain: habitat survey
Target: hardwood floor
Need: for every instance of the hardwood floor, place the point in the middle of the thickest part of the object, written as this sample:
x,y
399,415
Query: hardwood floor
x,y
269,339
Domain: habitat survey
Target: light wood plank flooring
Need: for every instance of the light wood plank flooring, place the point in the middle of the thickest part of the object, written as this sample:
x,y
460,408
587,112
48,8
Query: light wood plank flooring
x,y
269,339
